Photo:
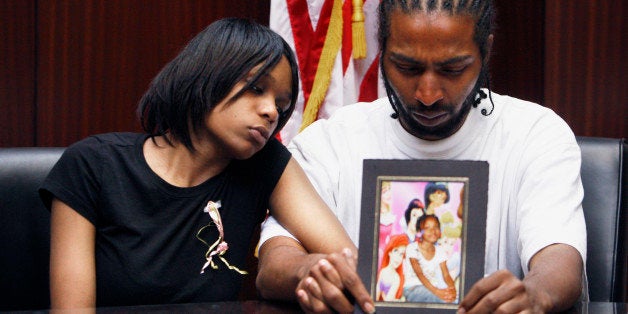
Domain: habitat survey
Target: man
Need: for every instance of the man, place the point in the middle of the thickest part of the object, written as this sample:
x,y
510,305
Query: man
x,y
434,57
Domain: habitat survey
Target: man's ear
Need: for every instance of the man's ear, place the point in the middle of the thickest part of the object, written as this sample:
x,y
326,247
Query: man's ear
x,y
489,48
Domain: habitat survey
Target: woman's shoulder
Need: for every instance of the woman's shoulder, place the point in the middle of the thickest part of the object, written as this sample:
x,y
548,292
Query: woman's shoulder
x,y
113,138
268,163
272,151
98,142
94,149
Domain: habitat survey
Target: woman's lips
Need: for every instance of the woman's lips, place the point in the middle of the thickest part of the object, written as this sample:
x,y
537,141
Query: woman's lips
x,y
260,135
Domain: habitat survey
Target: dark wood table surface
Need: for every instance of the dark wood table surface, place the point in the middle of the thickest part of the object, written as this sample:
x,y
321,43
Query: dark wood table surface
x,y
267,307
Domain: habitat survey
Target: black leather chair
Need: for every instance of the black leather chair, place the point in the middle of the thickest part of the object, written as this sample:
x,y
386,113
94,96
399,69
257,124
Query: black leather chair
x,y
604,177
25,231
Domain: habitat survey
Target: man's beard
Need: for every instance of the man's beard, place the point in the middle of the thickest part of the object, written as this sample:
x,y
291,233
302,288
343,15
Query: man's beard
x,y
436,132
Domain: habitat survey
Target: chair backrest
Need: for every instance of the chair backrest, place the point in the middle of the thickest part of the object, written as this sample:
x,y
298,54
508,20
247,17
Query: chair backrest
x,y
604,177
25,234
25,231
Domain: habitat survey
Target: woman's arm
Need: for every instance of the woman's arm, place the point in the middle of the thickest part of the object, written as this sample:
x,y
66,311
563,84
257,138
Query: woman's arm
x,y
298,207
320,282
321,269
72,259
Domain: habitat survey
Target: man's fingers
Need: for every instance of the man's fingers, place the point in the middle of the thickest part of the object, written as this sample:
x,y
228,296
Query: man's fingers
x,y
313,288
310,297
496,302
351,259
325,284
335,282
304,300
500,291
333,295
345,265
330,273
481,289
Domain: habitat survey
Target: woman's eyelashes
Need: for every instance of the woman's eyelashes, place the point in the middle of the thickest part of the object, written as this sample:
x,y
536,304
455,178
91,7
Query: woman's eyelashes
x,y
257,89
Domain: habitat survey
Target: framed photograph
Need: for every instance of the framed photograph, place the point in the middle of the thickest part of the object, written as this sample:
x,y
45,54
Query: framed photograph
x,y
423,232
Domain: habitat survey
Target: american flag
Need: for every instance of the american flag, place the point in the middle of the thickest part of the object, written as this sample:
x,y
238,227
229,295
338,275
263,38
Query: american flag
x,y
336,69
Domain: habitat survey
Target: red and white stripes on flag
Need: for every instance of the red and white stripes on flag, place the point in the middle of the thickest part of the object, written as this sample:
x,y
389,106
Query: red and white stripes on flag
x,y
334,69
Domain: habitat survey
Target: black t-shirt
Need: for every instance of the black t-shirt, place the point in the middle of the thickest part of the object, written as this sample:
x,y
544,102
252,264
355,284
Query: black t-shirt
x,y
146,246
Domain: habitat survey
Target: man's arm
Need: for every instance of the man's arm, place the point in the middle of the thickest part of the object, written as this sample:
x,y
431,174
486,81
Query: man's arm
x,y
319,282
554,283
283,262
560,282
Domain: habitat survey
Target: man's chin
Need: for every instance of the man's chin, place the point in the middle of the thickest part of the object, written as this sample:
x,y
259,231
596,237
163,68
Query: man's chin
x,y
429,133
432,136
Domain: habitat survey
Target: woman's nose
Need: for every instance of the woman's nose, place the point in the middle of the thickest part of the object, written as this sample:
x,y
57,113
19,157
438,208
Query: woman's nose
x,y
268,108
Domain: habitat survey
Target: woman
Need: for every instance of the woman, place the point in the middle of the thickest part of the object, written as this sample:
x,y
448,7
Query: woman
x,y
168,216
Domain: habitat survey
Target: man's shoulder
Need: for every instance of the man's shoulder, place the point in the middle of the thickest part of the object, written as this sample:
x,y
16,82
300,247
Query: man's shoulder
x,y
515,111
362,109
524,120
351,119
359,116
517,106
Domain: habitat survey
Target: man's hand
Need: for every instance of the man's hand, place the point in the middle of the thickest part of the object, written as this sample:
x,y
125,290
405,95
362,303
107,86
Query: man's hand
x,y
501,292
333,285
549,286
321,283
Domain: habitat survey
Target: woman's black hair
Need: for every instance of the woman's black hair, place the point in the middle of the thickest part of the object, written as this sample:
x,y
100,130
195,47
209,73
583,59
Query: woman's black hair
x,y
205,71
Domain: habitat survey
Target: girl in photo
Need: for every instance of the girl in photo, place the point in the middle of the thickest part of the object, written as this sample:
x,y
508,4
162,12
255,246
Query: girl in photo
x,y
429,279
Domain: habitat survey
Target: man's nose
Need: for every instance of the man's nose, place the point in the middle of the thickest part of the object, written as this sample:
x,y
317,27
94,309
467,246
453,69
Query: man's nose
x,y
428,90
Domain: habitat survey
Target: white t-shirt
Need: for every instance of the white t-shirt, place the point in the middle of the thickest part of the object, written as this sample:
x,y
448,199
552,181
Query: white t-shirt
x,y
535,191
431,268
